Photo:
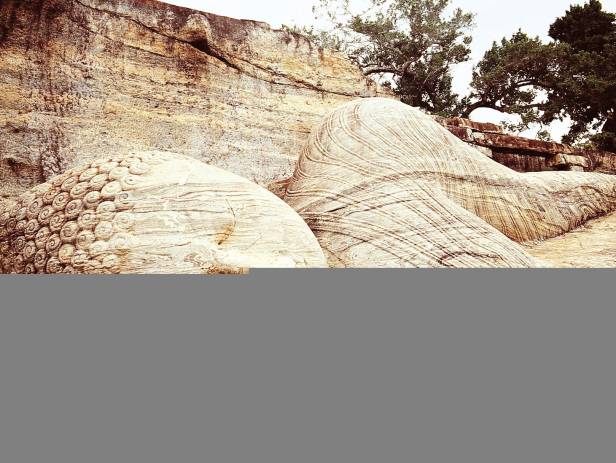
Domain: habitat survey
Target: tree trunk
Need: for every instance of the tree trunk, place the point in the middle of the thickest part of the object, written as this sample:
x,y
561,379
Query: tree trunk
x,y
607,139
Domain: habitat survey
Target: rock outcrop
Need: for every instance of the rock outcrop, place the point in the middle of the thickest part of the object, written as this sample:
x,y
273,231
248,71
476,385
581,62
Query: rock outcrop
x,y
383,185
527,155
82,78
152,213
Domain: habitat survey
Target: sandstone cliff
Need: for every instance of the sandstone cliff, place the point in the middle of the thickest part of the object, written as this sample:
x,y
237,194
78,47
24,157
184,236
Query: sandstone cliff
x,y
81,79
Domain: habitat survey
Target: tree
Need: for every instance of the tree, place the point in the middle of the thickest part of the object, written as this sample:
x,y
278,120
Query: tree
x,y
411,43
574,76
585,28
587,90
512,76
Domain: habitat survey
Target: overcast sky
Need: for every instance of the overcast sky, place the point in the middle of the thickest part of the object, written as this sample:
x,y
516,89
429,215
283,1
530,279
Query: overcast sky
x,y
494,19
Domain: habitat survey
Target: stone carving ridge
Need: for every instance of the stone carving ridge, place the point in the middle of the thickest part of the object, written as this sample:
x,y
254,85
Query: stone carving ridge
x,y
383,185
151,213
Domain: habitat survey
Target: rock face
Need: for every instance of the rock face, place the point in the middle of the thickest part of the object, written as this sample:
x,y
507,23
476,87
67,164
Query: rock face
x,y
383,185
527,155
152,213
591,246
81,78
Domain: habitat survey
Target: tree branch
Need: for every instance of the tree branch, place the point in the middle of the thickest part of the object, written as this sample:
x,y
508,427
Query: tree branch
x,y
402,71
381,70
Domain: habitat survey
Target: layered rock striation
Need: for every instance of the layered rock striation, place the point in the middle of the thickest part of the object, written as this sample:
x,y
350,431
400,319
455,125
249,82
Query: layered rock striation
x,y
527,155
381,184
82,78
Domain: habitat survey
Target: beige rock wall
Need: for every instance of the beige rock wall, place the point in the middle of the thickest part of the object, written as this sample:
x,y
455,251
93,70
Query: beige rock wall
x,y
80,79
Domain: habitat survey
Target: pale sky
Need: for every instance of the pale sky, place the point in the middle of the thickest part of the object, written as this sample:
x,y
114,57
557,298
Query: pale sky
x,y
494,19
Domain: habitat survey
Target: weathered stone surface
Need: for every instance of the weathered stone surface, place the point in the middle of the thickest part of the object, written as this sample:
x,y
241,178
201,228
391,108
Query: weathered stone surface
x,y
568,162
527,145
487,151
460,122
591,246
79,78
521,162
152,213
525,154
383,185
279,188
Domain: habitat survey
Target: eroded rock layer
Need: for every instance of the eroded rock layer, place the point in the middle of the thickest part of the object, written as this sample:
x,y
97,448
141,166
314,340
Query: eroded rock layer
x,y
383,185
84,77
527,155
152,213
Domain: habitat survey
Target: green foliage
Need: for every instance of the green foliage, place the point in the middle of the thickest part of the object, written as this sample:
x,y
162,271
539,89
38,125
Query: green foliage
x,y
574,76
585,28
512,76
588,94
411,43
322,39
544,135
411,46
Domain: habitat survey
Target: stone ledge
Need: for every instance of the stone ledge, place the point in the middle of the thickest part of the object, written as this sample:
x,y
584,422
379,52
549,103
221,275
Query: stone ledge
x,y
525,154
